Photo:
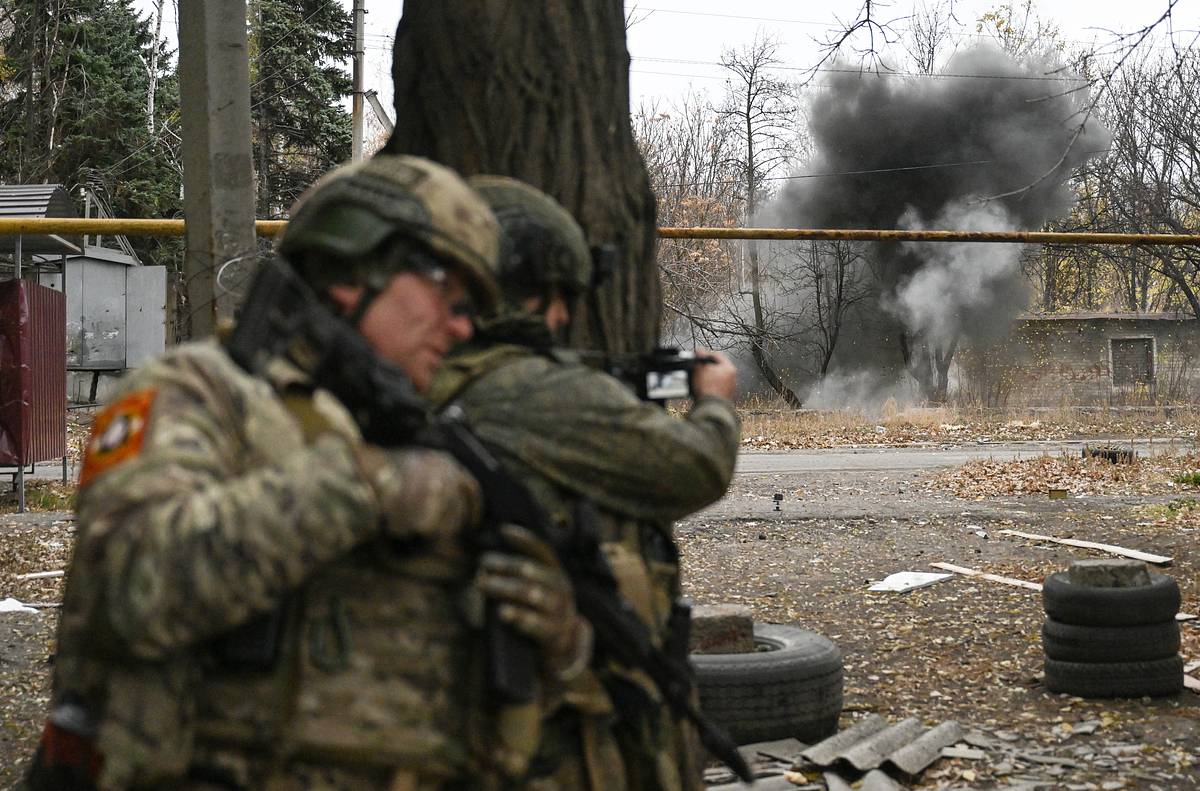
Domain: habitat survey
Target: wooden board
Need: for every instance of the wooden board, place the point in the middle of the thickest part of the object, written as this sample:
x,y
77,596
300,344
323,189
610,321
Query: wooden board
x,y
1158,560
966,572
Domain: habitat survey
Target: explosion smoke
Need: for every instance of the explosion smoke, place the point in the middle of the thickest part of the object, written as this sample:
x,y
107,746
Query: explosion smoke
x,y
986,146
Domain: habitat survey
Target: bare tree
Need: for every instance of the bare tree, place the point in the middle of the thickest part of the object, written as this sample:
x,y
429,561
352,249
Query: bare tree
x,y
931,29
836,276
867,37
762,109
1150,181
688,150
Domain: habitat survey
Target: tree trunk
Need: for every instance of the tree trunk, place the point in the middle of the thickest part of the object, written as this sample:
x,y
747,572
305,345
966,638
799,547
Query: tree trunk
x,y
539,90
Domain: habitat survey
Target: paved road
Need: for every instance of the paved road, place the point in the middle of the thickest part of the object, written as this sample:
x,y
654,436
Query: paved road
x,y
903,459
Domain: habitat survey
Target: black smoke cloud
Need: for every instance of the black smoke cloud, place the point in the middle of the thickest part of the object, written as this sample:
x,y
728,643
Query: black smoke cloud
x,y
944,148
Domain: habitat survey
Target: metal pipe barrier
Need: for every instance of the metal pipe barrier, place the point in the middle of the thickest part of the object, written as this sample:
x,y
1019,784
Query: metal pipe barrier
x,y
142,227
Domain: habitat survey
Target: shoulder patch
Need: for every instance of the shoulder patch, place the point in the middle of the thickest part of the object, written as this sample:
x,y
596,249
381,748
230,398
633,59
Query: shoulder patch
x,y
117,434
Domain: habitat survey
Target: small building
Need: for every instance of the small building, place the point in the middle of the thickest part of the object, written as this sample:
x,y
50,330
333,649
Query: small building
x,y
116,317
1092,359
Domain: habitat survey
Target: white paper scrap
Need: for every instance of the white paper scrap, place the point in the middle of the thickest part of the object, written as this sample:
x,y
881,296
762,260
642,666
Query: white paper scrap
x,y
12,605
908,580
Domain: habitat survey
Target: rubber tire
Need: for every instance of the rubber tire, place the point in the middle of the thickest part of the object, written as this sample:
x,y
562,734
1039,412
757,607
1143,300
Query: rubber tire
x,y
792,691
1116,679
1080,605
1069,643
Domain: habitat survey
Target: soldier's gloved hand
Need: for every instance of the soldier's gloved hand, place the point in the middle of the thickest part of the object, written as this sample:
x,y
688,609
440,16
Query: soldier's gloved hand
x,y
536,597
422,493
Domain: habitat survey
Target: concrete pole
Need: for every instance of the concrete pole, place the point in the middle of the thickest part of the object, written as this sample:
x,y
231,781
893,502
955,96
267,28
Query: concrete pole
x,y
218,177
356,146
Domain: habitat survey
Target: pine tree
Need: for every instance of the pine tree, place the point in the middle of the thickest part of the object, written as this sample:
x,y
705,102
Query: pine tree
x,y
297,83
73,105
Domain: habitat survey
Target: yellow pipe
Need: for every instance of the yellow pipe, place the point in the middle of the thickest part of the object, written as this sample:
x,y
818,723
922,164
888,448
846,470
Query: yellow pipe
x,y
835,234
78,227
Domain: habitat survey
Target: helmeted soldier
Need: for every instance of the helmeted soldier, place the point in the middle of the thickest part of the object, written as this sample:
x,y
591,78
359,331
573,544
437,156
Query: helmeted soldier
x,y
576,435
260,599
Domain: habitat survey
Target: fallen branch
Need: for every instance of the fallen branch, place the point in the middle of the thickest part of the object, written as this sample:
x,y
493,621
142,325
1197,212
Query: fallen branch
x,y
1158,560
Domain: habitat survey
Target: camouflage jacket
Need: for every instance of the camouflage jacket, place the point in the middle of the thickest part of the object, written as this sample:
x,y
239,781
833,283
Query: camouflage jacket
x,y
205,502
570,432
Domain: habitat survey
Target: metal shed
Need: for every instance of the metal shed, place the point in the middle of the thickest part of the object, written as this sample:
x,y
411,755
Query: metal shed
x,y
116,317
33,405
36,251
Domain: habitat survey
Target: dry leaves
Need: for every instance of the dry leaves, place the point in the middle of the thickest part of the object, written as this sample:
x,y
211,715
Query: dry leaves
x,y
1149,475
782,429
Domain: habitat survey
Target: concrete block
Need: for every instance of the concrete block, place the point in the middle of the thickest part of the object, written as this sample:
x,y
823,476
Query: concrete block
x,y
722,629
1109,573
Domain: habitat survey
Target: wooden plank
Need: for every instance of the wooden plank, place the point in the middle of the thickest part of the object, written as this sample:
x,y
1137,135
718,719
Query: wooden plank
x,y
966,572
41,575
1158,560
1192,684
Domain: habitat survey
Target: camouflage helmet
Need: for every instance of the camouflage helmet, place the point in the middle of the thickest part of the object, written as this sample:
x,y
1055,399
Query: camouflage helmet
x,y
348,215
541,245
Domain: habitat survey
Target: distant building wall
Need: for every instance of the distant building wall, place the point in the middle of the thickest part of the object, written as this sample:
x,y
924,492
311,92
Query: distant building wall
x,y
1088,359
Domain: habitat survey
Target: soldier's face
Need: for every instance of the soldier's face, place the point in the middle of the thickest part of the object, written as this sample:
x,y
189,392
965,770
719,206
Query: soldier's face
x,y
555,311
414,321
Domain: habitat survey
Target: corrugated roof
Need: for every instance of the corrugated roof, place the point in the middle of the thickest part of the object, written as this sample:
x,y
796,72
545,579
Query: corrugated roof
x,y
1091,315
38,200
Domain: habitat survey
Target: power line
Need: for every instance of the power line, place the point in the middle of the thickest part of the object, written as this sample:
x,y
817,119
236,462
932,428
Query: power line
x,y
291,30
834,70
872,171
830,26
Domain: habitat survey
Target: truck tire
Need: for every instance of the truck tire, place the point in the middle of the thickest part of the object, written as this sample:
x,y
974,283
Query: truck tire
x,y
1070,643
1116,679
790,688
1080,605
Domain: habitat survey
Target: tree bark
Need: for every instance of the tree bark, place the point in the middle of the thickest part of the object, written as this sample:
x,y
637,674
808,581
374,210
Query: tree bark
x,y
539,90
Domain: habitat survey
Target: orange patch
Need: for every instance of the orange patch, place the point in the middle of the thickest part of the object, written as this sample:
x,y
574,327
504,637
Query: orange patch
x,y
117,434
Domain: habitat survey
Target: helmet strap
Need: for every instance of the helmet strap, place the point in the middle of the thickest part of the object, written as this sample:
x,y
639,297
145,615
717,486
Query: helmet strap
x,y
370,292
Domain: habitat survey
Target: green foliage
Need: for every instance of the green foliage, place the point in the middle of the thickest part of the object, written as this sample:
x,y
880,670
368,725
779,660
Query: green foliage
x,y
1189,479
73,106
297,84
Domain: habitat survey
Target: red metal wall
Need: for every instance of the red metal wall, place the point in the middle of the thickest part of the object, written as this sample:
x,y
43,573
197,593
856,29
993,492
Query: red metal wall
x,y
33,373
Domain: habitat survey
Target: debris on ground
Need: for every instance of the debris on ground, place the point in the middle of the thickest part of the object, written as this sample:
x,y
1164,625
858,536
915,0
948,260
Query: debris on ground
x,y
903,581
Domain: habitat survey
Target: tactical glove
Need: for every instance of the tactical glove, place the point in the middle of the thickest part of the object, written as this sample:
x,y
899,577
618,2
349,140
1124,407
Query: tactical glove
x,y
422,493
536,597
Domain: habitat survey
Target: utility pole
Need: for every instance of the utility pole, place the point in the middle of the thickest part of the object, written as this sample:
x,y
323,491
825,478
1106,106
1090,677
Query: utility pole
x,y
218,178
356,147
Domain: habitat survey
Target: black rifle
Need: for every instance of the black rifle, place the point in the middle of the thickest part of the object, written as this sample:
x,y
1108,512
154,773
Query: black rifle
x,y
619,633
659,376
282,317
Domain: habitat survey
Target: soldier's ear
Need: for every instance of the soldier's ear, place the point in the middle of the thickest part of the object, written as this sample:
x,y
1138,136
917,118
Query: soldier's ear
x,y
345,297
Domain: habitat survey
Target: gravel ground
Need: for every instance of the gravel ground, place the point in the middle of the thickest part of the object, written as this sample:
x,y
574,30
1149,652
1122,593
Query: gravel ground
x,y
962,649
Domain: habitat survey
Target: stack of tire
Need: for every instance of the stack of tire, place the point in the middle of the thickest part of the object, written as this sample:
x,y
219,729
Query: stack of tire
x,y
1107,642
789,687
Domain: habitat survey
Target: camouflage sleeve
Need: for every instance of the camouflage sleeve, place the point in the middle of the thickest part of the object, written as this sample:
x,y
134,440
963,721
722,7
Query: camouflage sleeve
x,y
193,535
588,433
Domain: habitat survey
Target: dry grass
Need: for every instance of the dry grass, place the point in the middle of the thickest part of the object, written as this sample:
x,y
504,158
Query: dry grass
x,y
768,426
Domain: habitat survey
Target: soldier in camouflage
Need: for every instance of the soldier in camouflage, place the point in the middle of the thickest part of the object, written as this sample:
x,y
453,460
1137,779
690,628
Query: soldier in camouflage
x,y
258,598
572,433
